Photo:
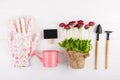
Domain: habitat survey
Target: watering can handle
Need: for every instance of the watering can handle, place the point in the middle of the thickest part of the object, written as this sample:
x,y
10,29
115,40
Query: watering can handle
x,y
64,55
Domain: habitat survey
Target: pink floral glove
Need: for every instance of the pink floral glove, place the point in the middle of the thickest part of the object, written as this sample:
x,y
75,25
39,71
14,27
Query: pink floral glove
x,y
22,42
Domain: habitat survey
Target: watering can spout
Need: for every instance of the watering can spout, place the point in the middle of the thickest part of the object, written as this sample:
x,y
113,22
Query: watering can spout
x,y
37,55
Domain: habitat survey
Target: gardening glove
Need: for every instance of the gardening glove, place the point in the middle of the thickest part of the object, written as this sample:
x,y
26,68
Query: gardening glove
x,y
22,42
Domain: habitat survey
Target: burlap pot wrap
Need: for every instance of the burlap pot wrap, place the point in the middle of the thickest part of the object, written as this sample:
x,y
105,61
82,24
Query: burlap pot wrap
x,y
77,59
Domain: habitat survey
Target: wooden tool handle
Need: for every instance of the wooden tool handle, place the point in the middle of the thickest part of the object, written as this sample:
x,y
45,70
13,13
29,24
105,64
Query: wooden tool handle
x,y
96,55
106,54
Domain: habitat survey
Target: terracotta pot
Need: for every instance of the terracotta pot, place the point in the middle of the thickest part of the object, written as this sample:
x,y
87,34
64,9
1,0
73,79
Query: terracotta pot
x,y
77,59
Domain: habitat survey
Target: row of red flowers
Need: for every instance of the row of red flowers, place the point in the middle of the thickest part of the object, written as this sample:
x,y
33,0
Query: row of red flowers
x,y
76,24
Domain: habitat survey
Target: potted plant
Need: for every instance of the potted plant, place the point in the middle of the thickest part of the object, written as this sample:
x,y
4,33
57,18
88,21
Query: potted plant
x,y
77,47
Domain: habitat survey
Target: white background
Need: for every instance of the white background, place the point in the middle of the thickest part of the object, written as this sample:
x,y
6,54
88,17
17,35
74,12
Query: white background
x,y
48,14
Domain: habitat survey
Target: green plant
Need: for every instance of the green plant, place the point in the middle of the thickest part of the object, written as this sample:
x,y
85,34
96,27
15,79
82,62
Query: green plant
x,y
76,44
82,46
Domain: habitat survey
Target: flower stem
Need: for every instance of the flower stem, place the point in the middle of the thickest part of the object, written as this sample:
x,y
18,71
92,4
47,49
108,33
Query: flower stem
x,y
73,32
80,33
66,33
88,34
62,32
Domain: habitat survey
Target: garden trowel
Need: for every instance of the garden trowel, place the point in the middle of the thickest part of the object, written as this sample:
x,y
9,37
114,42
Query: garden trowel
x,y
98,31
106,52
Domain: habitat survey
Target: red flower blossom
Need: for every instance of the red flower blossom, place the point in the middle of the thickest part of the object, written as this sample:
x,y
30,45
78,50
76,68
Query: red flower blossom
x,y
91,23
61,24
79,25
87,26
67,26
76,26
80,21
71,22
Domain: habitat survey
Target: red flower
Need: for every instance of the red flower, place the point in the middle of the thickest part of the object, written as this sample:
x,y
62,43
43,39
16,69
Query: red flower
x,y
71,22
80,21
61,24
91,23
79,25
87,26
76,26
67,26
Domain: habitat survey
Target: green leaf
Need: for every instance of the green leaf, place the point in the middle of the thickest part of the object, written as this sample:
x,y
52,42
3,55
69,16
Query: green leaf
x,y
83,46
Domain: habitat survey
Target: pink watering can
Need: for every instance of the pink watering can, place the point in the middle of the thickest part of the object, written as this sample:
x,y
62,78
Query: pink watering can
x,y
50,57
